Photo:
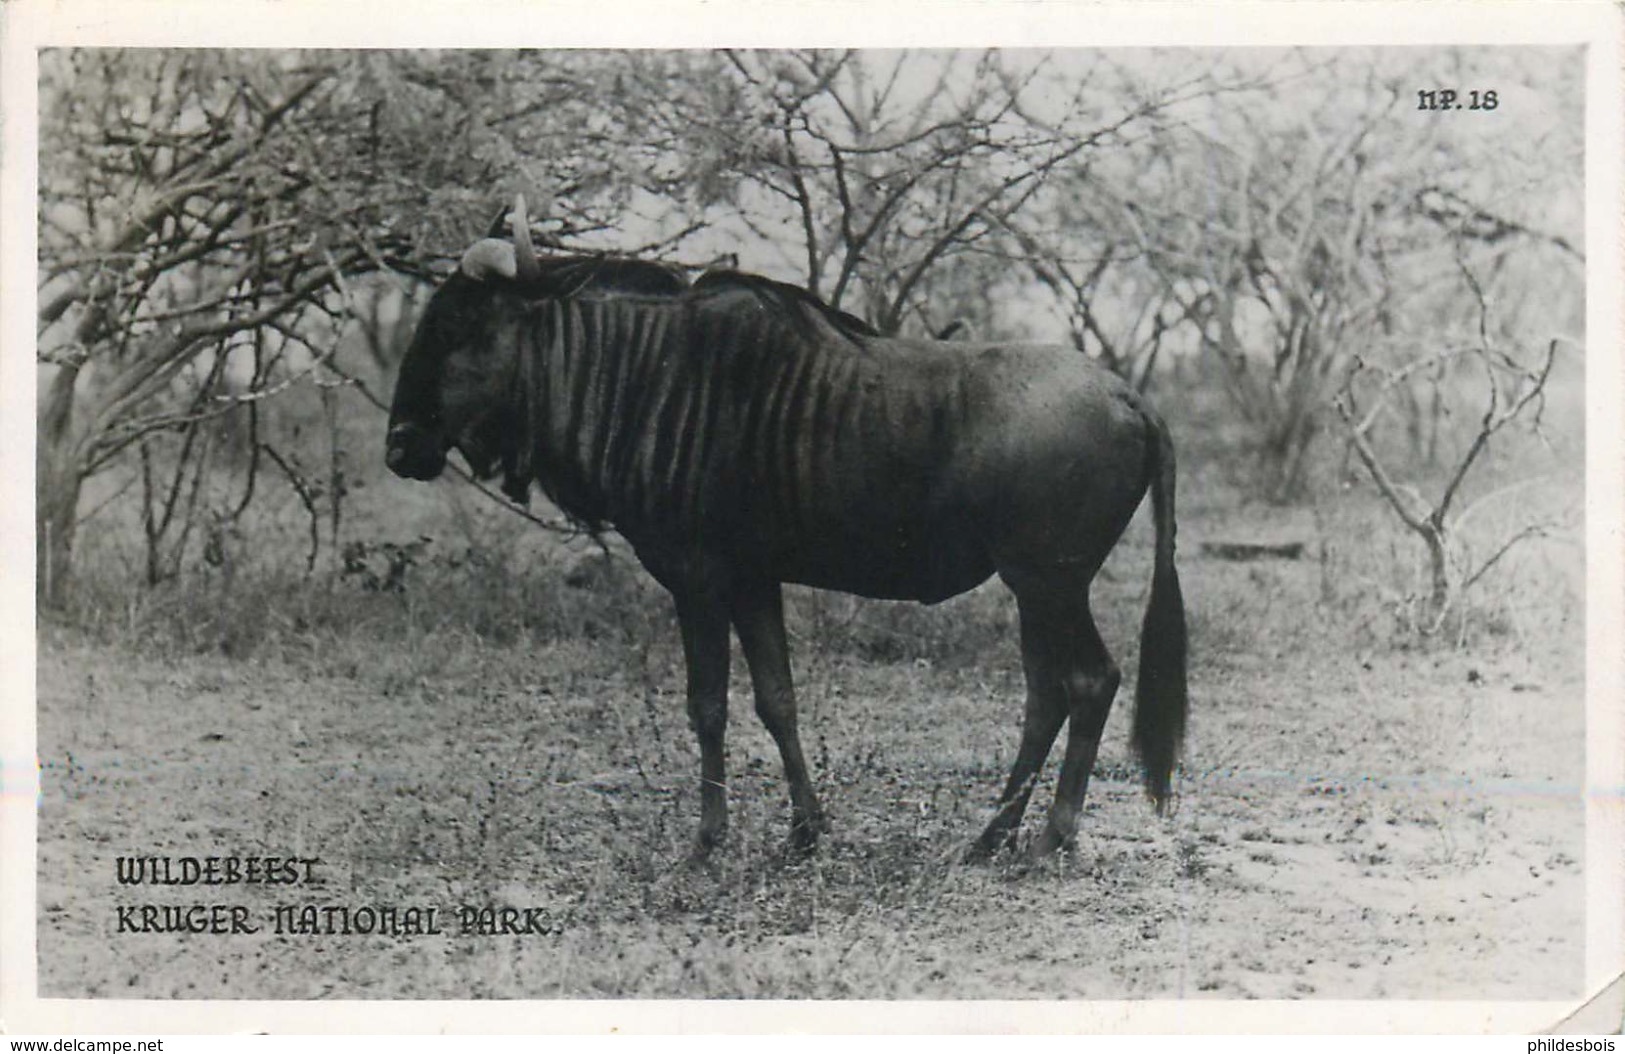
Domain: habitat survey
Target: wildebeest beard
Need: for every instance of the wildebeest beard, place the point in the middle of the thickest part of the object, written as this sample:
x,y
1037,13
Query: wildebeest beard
x,y
516,473
483,448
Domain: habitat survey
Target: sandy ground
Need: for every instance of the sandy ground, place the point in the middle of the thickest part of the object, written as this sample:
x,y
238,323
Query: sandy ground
x,y
1353,828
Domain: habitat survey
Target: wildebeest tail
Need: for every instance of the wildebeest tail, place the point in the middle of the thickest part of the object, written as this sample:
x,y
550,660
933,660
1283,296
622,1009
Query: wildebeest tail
x,y
1160,701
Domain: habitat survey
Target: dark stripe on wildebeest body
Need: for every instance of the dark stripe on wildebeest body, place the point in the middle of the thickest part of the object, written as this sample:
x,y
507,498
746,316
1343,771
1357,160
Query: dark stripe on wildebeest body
x,y
739,433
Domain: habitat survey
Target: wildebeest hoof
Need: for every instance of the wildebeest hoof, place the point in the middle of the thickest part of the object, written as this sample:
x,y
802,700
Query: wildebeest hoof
x,y
700,859
705,845
804,836
988,846
976,853
1046,845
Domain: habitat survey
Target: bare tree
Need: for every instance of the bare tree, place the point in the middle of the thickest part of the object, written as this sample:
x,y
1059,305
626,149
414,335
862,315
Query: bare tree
x,y
202,214
1514,382
199,212
1265,245
1313,221
889,171
164,220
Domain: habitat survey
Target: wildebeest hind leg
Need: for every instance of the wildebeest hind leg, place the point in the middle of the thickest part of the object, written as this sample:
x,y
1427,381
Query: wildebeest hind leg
x,y
758,616
704,626
1086,678
1046,713
1070,677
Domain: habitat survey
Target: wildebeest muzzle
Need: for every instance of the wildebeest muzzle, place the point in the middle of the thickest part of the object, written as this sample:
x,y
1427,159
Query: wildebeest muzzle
x,y
414,453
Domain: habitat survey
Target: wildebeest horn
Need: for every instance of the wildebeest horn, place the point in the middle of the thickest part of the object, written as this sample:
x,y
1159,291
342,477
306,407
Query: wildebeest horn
x,y
497,225
487,257
524,252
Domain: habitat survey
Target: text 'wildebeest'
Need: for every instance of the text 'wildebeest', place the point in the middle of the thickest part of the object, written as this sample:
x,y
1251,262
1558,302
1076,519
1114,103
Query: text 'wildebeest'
x,y
740,434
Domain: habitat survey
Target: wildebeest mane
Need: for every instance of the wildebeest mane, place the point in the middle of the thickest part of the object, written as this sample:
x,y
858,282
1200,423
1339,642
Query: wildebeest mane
x,y
566,276
795,303
563,277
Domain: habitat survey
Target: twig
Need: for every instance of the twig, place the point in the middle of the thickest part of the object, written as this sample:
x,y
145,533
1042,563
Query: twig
x,y
305,498
1368,457
1534,530
564,527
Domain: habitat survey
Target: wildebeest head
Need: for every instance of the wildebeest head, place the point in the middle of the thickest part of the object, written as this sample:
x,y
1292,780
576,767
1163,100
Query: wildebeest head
x,y
447,391
457,379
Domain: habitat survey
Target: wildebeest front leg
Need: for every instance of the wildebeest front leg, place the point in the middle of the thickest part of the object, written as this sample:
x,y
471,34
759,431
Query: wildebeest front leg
x,y
704,625
758,615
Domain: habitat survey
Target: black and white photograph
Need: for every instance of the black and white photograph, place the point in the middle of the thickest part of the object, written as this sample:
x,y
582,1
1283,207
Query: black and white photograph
x,y
1019,520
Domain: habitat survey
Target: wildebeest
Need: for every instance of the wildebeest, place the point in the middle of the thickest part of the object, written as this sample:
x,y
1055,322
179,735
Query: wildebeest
x,y
739,434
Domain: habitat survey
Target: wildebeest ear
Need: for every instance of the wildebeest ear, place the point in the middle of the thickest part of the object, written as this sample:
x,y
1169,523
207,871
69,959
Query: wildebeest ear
x,y
488,257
